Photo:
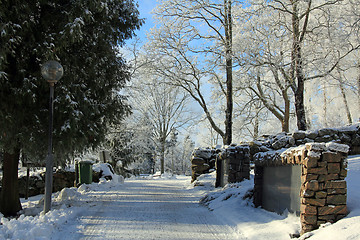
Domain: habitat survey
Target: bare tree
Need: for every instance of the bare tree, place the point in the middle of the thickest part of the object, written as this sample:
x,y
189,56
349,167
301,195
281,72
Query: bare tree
x,y
194,39
165,107
300,49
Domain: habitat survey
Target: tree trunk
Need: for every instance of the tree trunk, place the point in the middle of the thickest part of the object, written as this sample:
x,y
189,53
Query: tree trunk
x,y
229,88
256,124
299,105
298,68
9,199
359,92
285,124
162,156
347,109
325,107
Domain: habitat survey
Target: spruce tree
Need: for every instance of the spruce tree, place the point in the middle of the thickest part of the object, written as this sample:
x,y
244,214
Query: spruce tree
x,y
84,37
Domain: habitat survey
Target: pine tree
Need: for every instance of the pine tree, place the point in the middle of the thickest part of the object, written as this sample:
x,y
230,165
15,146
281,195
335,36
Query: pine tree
x,y
83,36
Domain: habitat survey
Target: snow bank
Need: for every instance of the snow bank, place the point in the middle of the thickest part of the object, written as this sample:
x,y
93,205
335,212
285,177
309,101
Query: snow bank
x,y
107,172
66,205
231,204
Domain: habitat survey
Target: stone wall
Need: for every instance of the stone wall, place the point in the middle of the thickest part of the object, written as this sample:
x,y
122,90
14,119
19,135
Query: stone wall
x,y
202,161
349,135
323,187
233,165
61,179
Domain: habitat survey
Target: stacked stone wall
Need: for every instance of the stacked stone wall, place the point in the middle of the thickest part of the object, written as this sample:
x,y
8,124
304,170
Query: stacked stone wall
x,y
232,163
202,161
323,190
235,164
349,135
61,179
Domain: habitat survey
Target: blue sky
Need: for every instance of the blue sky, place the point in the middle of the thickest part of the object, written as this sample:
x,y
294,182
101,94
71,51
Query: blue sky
x,y
145,8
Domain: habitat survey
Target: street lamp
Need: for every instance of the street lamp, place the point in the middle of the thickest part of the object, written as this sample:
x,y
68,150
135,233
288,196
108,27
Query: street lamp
x,y
52,71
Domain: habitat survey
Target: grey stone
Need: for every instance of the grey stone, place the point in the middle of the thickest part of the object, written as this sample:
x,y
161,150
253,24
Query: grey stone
x,y
299,135
203,153
355,140
345,138
327,131
292,141
325,138
312,135
280,143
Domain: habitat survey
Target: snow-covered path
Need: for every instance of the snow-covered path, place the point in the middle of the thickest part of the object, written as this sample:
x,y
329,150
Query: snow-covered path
x,y
143,209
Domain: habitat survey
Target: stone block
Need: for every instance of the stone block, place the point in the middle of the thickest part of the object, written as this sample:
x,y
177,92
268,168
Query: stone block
x,y
327,131
312,135
313,201
311,162
328,210
308,177
332,176
332,157
336,191
343,173
321,194
307,228
335,184
322,164
333,168
326,138
322,178
307,193
318,170
320,222
354,150
355,139
308,219
339,216
312,185
336,199
328,218
200,168
315,146
198,161
345,138
299,135
308,209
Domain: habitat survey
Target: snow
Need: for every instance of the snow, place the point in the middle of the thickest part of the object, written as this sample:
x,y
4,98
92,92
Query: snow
x,y
337,147
167,207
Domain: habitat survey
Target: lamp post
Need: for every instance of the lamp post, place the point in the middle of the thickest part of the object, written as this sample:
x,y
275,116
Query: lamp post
x,y
52,71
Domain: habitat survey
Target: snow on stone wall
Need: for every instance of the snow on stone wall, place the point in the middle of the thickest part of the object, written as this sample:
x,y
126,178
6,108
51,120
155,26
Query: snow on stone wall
x,y
323,187
232,163
349,135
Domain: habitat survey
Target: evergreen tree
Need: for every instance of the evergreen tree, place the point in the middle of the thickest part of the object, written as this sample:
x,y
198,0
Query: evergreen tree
x,y
84,37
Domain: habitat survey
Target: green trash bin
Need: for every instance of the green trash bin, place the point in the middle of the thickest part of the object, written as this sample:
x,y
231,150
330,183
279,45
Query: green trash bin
x,y
85,172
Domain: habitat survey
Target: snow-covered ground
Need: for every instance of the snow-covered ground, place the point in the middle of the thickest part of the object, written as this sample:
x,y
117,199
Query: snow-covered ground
x,y
168,208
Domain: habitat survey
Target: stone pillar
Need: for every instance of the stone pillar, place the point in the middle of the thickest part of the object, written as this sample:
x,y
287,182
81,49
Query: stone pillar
x,y
235,164
323,191
202,160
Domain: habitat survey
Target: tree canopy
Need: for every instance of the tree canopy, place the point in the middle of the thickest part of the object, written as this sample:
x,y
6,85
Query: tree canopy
x,y
84,36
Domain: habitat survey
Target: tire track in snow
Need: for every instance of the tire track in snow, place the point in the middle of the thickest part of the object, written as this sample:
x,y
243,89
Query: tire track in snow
x,y
145,209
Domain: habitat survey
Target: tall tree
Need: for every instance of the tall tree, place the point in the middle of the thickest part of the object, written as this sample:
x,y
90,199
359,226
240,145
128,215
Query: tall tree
x,y
195,41
303,28
165,106
83,36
